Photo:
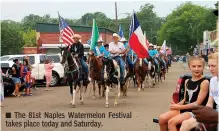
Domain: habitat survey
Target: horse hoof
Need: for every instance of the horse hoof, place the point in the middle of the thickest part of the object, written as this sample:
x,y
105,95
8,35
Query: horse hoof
x,y
82,103
115,105
93,98
139,90
73,106
106,105
70,102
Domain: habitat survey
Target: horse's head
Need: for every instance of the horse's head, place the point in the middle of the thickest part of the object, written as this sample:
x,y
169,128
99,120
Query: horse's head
x,y
108,66
65,53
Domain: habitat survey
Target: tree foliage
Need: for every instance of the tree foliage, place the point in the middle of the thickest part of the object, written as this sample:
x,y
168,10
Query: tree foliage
x,y
11,38
185,25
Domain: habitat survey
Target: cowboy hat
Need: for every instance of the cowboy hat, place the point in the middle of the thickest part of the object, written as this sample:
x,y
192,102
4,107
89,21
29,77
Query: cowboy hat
x,y
123,39
116,35
76,36
151,45
155,46
215,12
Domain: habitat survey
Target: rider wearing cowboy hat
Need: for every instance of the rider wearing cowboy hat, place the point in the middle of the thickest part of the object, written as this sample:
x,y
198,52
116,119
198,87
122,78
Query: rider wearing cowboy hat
x,y
77,49
127,51
152,52
116,48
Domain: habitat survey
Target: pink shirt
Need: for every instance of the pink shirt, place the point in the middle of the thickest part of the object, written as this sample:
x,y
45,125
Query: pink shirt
x,y
48,68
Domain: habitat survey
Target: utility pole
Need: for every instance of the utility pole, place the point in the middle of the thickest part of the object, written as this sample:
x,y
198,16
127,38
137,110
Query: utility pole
x,y
116,15
151,36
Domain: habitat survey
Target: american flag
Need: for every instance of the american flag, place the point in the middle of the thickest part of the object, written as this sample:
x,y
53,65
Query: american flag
x,y
66,32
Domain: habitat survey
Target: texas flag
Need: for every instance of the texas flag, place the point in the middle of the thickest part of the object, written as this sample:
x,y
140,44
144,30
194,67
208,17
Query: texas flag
x,y
137,39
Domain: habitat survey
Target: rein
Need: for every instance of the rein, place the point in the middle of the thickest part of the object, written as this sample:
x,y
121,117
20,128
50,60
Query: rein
x,y
74,63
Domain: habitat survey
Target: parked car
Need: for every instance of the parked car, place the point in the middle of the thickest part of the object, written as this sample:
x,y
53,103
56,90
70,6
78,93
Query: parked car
x,y
37,61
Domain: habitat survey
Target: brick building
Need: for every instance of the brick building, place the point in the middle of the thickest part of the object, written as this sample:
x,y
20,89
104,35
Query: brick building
x,y
48,37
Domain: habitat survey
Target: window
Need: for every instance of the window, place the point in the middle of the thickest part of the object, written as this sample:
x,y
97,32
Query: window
x,y
86,49
42,58
31,60
55,58
4,65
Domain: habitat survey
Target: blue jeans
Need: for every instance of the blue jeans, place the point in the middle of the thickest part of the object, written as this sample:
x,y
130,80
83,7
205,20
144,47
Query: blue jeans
x,y
129,62
84,66
164,62
145,60
121,65
155,61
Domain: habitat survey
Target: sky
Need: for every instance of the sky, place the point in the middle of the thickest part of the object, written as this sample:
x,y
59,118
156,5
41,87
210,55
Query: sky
x,y
14,10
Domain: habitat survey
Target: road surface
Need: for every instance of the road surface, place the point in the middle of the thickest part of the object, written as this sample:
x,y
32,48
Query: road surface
x,y
142,107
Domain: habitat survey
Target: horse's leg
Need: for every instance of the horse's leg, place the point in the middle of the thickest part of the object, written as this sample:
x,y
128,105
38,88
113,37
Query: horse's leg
x,y
99,87
74,94
142,87
138,83
81,94
71,92
103,90
94,89
118,94
107,96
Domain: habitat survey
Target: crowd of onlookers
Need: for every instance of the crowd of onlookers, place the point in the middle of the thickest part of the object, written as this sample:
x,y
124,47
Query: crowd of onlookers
x,y
21,75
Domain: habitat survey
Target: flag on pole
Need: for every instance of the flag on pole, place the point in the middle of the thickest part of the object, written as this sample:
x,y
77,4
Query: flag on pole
x,y
95,35
120,33
147,42
66,33
137,40
164,47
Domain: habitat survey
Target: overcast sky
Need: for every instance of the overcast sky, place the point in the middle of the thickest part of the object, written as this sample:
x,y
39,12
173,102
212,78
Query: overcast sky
x,y
17,10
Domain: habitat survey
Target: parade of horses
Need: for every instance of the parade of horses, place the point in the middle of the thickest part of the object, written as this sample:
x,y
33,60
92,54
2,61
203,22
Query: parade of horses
x,y
121,80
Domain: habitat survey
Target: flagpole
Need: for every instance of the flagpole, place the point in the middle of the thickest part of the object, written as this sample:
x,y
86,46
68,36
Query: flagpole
x,y
59,28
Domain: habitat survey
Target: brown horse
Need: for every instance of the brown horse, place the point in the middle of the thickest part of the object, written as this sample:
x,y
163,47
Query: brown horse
x,y
141,70
95,69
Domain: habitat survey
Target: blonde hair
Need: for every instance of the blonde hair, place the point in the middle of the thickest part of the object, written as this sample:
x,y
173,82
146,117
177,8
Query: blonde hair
x,y
192,58
213,56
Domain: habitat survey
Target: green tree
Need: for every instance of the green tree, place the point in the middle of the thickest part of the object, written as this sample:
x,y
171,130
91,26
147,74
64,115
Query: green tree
x,y
185,25
11,38
29,38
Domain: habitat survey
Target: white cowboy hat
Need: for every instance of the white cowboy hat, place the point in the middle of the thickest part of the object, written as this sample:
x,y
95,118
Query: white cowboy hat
x,y
116,35
155,46
123,39
151,45
76,36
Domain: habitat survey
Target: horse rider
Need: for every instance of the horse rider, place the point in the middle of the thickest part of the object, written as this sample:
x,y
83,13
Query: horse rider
x,y
153,53
117,48
77,49
127,52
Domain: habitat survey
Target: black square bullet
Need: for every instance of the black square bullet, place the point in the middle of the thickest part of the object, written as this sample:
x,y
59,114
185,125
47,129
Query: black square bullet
x,y
8,115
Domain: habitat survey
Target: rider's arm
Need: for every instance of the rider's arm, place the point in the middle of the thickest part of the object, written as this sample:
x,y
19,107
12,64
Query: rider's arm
x,y
81,51
111,50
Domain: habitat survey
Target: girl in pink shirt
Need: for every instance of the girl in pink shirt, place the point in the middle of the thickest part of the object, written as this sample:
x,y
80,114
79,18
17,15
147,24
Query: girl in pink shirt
x,y
48,72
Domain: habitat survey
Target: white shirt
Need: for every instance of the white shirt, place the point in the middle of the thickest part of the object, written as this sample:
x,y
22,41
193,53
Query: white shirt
x,y
214,90
116,47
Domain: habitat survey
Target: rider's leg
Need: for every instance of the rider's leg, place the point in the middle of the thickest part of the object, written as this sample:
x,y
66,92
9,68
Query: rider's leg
x,y
135,60
85,67
121,65
129,62
145,60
